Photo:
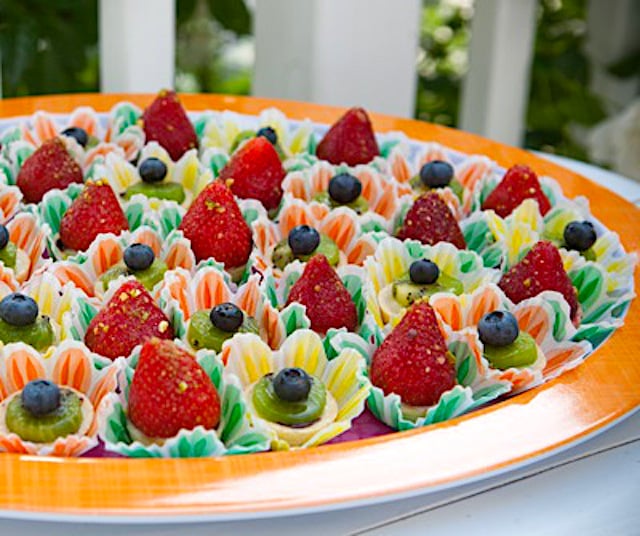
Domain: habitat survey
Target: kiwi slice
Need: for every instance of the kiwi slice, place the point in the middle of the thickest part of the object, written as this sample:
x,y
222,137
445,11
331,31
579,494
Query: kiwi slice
x,y
171,191
8,255
40,334
405,292
65,420
203,334
149,277
360,205
282,254
247,135
272,408
520,353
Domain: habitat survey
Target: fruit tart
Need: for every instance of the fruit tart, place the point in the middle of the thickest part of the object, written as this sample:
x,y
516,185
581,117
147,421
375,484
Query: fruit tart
x,y
49,408
302,397
207,309
128,318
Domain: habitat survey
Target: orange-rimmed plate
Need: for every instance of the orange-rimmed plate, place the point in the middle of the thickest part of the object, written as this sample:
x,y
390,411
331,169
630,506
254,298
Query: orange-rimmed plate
x,y
574,406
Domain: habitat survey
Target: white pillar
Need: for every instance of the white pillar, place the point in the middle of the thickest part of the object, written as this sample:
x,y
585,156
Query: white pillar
x,y
137,45
339,52
612,33
496,88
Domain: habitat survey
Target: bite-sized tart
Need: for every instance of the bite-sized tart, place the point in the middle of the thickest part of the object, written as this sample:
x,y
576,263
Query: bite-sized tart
x,y
302,397
304,230
128,317
13,256
400,273
315,295
143,254
173,403
51,400
417,379
207,309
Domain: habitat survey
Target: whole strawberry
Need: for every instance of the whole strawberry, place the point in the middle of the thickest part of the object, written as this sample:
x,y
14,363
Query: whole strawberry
x,y
96,210
518,184
49,167
170,391
328,302
131,317
256,172
430,221
413,361
541,269
166,122
215,226
350,140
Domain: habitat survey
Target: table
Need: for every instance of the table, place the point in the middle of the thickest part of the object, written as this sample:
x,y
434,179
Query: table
x,y
589,489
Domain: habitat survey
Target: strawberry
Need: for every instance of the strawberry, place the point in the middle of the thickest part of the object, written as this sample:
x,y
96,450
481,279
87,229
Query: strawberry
x,y
413,361
541,269
215,226
518,184
49,167
170,391
430,221
131,317
328,302
96,210
350,140
257,172
166,122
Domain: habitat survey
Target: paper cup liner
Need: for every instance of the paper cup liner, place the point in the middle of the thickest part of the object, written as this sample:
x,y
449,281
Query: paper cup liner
x,y
70,364
235,434
344,376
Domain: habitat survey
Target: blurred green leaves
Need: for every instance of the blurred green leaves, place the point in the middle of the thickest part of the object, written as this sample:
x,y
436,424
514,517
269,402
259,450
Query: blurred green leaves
x,y
48,47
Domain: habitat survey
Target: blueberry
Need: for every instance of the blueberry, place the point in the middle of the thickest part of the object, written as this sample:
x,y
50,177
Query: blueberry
x,y
436,174
227,317
292,385
18,310
4,237
79,134
138,257
579,235
498,328
424,272
40,397
269,133
152,170
303,240
344,188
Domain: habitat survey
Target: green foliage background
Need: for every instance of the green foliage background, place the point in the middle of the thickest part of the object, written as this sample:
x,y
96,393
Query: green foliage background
x,y
51,47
